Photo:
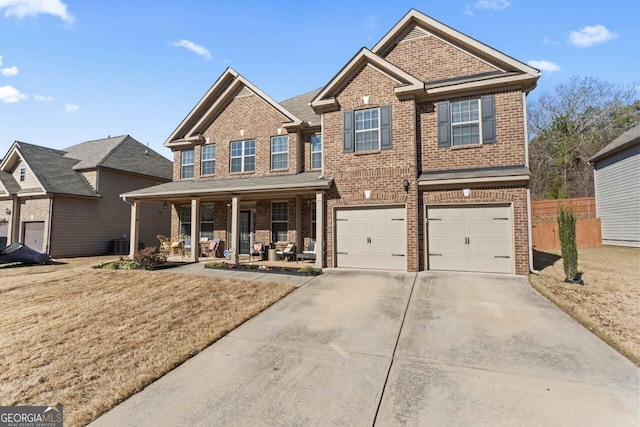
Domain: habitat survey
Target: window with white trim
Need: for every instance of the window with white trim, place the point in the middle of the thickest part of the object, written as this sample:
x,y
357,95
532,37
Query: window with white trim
x,y
465,122
316,152
243,156
187,164
279,221
367,129
206,221
280,152
208,159
23,174
185,220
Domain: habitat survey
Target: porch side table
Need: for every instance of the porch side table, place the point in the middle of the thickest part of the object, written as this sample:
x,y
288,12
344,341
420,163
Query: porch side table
x,y
272,255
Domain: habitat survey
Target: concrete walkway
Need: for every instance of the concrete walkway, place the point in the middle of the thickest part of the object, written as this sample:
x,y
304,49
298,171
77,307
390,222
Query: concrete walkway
x,y
356,348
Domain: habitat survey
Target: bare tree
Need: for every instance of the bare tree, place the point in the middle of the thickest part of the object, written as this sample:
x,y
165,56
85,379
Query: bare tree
x,y
570,125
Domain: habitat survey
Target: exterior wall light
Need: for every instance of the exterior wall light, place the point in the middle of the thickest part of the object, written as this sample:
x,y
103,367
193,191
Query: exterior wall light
x,y
7,211
405,185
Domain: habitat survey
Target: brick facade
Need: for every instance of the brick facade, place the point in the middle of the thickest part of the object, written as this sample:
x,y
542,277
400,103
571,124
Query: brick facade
x,y
414,149
430,59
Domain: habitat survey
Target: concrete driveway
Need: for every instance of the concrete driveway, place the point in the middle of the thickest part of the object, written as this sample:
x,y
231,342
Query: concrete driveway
x,y
363,348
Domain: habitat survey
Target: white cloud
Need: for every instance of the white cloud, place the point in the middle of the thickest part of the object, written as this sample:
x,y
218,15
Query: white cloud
x,y
202,51
9,71
494,5
547,40
9,94
23,8
70,108
42,98
546,66
0,59
590,35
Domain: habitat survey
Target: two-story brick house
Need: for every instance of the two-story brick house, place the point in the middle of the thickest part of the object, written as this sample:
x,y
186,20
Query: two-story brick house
x,y
413,157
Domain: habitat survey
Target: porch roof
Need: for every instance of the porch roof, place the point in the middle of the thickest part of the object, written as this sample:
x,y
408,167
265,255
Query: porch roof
x,y
488,174
300,181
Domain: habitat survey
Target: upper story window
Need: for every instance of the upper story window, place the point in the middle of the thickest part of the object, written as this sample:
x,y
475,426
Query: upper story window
x,y
367,129
187,164
23,174
208,159
466,122
243,156
316,152
280,152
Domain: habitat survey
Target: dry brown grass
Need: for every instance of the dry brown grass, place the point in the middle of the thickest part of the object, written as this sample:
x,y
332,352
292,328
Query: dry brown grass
x,y
88,338
609,302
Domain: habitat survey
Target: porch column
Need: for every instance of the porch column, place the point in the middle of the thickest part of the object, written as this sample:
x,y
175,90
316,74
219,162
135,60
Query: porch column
x,y
319,230
135,228
299,240
195,230
234,247
14,222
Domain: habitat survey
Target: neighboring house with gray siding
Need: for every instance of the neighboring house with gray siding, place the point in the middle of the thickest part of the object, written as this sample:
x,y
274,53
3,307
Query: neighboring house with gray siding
x,y
617,185
66,202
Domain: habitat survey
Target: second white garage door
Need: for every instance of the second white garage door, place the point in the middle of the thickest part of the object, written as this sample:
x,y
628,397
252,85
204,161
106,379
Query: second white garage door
x,y
373,238
470,238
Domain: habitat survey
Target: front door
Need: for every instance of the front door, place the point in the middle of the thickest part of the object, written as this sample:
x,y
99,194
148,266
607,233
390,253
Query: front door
x,y
245,231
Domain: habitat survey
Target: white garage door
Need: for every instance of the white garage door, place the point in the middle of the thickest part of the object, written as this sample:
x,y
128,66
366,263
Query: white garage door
x,y
371,238
471,238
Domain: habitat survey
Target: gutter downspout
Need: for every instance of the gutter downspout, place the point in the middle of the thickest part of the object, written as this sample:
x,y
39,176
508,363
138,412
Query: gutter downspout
x,y
526,152
50,225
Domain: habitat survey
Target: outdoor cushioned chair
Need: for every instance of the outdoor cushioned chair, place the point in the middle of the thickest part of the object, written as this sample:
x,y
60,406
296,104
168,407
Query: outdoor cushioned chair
x,y
176,246
186,248
165,244
288,252
257,250
309,254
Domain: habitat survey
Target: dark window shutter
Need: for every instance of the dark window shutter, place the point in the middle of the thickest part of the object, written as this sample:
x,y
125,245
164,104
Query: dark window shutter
x,y
385,127
444,124
488,119
348,131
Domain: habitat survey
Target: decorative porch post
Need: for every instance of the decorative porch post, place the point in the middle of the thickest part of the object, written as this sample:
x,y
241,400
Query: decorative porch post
x,y
319,230
235,229
135,228
195,230
299,240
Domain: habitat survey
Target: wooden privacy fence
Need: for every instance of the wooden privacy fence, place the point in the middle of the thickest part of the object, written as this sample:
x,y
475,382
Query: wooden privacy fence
x,y
544,227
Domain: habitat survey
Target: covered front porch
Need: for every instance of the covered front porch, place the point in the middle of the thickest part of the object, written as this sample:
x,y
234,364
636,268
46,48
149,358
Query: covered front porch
x,y
239,220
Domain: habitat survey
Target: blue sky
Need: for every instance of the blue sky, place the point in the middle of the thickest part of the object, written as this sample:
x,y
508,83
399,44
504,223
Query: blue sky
x,y
73,71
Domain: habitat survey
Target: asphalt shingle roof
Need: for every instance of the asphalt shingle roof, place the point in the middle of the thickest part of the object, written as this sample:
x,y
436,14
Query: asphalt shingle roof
x,y
626,139
233,185
120,153
9,182
299,106
54,171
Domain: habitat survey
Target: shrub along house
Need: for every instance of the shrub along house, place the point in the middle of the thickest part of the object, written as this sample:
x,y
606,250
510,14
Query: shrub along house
x,y
66,202
412,157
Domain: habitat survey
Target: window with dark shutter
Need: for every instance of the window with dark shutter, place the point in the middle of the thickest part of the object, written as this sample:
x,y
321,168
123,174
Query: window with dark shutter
x,y
385,127
444,124
349,147
488,119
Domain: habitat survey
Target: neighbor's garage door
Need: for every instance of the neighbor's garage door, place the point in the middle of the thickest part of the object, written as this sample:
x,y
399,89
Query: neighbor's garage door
x,y
34,235
371,238
471,238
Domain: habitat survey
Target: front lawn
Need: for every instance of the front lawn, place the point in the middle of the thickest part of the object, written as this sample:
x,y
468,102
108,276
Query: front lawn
x,y
609,302
88,339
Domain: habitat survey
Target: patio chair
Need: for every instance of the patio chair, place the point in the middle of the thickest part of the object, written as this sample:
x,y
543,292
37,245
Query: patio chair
x,y
309,254
257,250
288,252
175,246
165,244
186,248
215,247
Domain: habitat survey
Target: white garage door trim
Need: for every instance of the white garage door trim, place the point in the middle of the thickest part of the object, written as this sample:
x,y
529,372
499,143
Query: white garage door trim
x,y
511,234
394,259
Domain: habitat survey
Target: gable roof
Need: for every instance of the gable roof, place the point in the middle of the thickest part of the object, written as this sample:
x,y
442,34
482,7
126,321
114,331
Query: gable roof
x,y
227,86
627,139
463,41
54,171
122,153
407,83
